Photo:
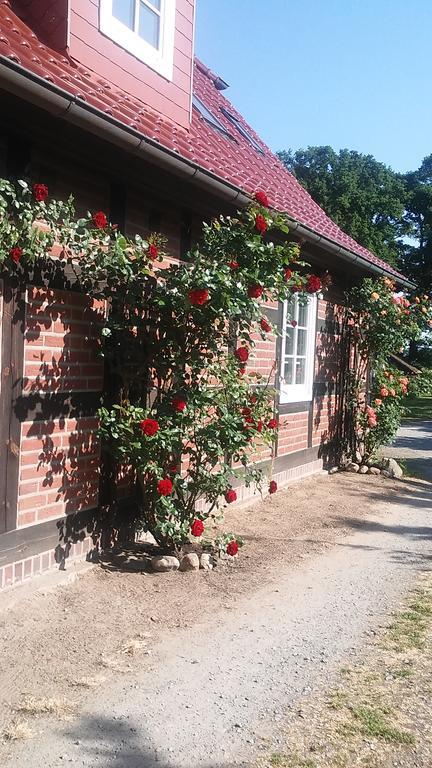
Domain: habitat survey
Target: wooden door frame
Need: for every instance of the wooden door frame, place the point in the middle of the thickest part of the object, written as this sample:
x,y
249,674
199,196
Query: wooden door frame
x,y
12,317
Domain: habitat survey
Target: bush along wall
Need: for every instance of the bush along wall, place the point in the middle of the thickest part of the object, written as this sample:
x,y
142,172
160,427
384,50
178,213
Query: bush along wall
x,y
379,322
183,412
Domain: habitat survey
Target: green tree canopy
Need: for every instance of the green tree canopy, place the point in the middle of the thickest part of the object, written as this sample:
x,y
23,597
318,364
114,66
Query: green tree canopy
x,y
363,196
417,262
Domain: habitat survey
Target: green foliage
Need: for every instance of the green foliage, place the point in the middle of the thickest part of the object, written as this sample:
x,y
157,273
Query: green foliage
x,y
381,322
366,198
181,412
417,261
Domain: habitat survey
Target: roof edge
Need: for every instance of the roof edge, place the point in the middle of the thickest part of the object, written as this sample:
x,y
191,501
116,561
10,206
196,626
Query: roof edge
x,y
62,104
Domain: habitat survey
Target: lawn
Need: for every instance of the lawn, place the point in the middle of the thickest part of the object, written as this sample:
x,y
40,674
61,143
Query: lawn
x,y
418,407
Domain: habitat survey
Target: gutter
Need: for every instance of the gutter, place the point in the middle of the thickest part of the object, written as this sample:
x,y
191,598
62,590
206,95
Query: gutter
x,y
61,104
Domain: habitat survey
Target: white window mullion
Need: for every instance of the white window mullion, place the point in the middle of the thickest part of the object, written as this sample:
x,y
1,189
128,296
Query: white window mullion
x,y
290,393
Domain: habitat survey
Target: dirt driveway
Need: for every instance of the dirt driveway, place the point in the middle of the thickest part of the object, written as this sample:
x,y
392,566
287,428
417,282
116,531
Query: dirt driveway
x,y
196,669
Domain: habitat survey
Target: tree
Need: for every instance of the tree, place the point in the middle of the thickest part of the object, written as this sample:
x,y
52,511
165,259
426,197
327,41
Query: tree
x,y
417,262
363,196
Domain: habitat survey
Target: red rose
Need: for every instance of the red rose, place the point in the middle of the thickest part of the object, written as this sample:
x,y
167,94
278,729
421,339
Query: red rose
x,y
149,427
15,254
164,487
242,370
272,424
293,323
198,296
242,354
99,220
260,425
153,251
246,411
260,223
288,274
230,496
255,291
273,486
197,528
172,469
232,548
40,192
233,264
296,288
265,325
261,198
178,403
313,284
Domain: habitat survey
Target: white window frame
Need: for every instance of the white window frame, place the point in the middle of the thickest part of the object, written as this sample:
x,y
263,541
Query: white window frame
x,y
296,393
161,59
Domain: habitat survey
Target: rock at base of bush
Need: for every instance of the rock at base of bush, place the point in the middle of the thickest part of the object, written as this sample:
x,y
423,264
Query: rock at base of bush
x,y
206,562
393,468
165,563
353,467
190,562
333,470
374,471
363,469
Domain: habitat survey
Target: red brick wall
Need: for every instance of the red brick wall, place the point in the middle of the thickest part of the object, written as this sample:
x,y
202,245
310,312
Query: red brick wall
x,y
293,433
59,460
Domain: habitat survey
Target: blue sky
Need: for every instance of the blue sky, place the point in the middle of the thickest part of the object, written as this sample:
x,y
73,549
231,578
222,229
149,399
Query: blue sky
x,y
349,73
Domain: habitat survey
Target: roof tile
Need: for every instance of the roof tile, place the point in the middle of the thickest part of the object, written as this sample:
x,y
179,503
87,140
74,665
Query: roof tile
x,y
231,157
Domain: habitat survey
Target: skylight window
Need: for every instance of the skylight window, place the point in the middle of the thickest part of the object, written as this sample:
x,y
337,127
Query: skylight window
x,y
241,129
209,116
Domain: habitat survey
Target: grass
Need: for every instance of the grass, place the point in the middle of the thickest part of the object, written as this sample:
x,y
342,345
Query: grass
x,y
290,761
17,731
380,708
43,706
374,723
418,407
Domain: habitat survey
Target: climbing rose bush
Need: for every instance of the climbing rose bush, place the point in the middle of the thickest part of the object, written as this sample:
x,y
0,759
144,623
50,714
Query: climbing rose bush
x,y
186,413
381,322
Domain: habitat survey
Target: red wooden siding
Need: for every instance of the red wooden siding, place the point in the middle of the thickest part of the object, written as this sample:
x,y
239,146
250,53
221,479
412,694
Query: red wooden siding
x,y
122,70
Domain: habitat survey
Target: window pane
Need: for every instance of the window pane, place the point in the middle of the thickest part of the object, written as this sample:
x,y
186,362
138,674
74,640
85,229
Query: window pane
x,y
155,3
289,341
300,371
124,10
149,26
288,371
290,310
301,342
303,315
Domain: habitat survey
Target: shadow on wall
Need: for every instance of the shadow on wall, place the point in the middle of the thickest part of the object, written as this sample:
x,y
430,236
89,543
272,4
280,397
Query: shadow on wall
x,y
328,385
119,743
61,388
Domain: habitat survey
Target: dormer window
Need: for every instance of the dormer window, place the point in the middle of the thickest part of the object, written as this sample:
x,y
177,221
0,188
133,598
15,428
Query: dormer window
x,y
145,28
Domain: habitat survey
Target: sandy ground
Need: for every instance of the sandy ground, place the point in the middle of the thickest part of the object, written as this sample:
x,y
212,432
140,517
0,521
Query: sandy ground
x,y
196,669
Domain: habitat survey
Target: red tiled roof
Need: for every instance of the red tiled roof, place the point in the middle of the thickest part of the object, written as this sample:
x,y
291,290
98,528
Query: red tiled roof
x,y
232,159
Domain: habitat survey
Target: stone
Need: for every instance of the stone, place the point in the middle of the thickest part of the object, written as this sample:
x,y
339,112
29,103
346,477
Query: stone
x,y
374,471
363,469
190,562
353,467
394,468
333,470
165,563
205,562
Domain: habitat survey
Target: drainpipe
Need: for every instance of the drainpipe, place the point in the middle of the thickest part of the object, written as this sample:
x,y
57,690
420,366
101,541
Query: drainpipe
x,y
61,104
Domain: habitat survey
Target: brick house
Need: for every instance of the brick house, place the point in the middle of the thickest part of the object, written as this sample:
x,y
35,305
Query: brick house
x,y
103,99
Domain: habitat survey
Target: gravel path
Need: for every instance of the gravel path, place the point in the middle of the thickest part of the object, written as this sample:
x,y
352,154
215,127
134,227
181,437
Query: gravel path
x,y
414,444
210,694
